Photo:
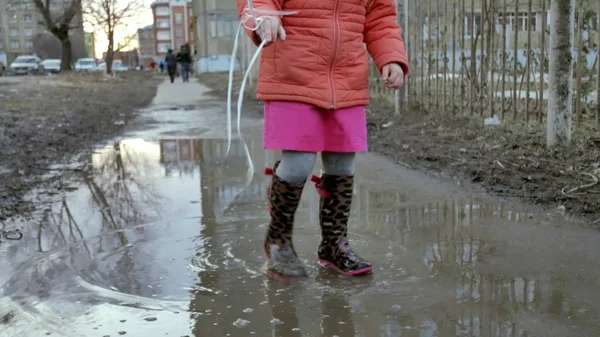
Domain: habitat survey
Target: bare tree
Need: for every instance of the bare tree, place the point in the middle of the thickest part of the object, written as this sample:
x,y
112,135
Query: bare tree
x,y
560,101
109,16
46,45
59,18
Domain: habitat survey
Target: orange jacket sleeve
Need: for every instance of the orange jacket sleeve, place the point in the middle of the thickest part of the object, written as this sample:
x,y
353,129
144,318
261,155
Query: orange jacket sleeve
x,y
383,35
273,5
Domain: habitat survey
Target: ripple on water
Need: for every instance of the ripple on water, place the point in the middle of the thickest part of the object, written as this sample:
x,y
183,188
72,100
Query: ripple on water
x,y
148,272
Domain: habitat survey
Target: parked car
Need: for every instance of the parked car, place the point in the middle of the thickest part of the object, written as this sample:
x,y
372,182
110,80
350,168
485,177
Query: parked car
x,y
117,66
122,67
85,64
24,65
50,66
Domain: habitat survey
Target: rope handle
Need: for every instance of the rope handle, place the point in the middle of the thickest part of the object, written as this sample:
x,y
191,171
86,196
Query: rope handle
x,y
249,15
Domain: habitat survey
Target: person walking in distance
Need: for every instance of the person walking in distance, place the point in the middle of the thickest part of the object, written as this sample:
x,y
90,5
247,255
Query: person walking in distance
x,y
185,59
314,82
171,62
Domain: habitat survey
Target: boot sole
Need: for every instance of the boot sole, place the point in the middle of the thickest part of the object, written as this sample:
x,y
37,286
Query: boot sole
x,y
360,272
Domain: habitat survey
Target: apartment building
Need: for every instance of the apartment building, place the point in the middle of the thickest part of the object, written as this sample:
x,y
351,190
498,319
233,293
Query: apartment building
x,y
20,24
147,45
215,24
172,25
516,20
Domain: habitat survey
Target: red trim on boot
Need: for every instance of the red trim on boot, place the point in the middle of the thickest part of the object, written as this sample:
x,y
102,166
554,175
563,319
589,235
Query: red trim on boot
x,y
320,191
268,171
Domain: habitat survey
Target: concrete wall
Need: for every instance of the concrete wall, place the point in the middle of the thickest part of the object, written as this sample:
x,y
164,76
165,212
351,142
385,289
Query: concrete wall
x,y
212,32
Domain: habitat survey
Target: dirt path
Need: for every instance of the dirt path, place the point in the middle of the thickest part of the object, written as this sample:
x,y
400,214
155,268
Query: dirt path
x,y
48,120
507,161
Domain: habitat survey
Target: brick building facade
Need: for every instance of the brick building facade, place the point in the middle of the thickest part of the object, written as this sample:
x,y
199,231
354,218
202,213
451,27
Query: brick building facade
x,y
172,21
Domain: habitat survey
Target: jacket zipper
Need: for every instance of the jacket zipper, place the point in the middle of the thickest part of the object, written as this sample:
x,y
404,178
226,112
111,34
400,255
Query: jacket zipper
x,y
336,30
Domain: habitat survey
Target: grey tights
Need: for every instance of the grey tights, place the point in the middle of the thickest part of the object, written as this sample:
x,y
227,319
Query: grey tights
x,y
295,167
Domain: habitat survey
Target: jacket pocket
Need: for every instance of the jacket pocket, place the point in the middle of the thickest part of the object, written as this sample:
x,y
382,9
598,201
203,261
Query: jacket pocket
x,y
296,60
356,67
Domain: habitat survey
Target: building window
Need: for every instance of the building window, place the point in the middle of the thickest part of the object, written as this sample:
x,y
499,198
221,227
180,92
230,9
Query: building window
x,y
13,18
179,32
29,44
594,23
178,18
14,32
1,45
163,47
469,21
222,28
525,23
162,11
162,23
28,32
508,20
163,36
27,18
30,6
179,42
14,44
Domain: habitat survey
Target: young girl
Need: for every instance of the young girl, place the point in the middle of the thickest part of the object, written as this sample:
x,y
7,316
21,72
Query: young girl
x,y
314,81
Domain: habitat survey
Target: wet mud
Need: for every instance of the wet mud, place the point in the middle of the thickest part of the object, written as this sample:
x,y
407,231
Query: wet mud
x,y
161,235
45,121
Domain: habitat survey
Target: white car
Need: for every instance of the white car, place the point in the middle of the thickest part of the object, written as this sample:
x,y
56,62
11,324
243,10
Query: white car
x,y
117,66
50,66
23,65
85,64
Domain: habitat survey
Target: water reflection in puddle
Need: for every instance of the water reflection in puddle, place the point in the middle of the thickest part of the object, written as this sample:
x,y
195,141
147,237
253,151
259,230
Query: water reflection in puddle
x,y
163,238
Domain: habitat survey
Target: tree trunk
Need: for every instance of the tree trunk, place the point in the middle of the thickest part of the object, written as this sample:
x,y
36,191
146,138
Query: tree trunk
x,y
560,101
598,77
67,53
581,60
62,34
109,52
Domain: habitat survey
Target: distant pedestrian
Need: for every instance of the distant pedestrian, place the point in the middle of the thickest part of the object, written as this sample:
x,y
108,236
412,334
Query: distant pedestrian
x,y
185,59
161,67
171,61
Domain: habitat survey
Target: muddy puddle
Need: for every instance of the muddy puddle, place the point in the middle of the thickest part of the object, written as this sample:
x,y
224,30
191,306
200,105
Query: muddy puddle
x,y
162,237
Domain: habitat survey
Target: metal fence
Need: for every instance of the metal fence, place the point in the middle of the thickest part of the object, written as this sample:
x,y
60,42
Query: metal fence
x,y
490,57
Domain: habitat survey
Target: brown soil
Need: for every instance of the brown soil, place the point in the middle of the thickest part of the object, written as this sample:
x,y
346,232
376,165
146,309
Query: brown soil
x,y
508,161
47,120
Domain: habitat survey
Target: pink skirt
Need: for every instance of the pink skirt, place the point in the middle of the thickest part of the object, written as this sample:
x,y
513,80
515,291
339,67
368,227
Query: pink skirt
x,y
304,127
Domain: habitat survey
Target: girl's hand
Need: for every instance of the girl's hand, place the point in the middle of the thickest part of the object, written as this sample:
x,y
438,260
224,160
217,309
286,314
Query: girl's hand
x,y
270,29
393,76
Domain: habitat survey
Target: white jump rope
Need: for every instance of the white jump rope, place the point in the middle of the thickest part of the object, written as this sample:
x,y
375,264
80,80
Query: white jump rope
x,y
249,15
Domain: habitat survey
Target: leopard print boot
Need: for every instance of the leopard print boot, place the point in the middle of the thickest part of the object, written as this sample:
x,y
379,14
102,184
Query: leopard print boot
x,y
335,205
283,199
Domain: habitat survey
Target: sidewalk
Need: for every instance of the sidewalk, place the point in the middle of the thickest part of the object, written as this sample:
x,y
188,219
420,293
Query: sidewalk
x,y
179,93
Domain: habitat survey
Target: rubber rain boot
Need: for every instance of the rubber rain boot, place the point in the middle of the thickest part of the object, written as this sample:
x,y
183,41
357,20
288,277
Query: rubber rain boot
x,y
283,199
335,204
